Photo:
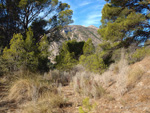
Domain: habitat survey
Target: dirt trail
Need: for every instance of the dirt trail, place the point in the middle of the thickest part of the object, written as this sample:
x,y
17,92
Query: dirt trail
x,y
73,99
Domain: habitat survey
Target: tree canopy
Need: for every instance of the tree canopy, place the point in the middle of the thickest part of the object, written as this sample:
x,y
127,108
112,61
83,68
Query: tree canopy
x,y
17,15
125,22
24,53
69,54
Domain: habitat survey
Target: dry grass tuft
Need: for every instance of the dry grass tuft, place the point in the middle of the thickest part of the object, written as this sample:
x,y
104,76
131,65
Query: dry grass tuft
x,y
21,90
121,77
58,77
29,88
144,97
3,80
47,103
110,98
85,84
34,94
134,75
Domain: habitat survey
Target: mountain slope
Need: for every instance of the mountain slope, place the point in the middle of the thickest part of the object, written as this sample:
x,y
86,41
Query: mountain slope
x,y
81,33
77,32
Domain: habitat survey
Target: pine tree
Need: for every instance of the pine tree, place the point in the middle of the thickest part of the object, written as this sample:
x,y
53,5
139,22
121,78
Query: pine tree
x,y
16,53
17,16
125,22
43,54
31,60
25,53
67,57
88,47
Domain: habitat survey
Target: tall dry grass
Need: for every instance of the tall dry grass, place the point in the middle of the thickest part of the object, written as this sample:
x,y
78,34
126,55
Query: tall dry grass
x,y
134,76
22,90
84,84
120,74
32,93
46,103
58,77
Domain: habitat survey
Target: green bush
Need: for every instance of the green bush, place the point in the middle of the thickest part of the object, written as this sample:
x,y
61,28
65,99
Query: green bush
x,y
65,61
73,52
93,63
69,55
139,54
16,54
86,106
90,60
3,66
88,47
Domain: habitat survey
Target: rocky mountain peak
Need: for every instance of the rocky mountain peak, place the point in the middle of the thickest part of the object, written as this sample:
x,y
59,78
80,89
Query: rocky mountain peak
x,y
92,26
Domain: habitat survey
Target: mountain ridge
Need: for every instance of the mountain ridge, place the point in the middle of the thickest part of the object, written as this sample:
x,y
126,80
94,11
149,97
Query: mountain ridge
x,y
74,32
81,33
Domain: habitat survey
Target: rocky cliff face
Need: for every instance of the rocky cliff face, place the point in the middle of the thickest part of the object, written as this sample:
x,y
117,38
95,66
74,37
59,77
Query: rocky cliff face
x,y
81,33
77,32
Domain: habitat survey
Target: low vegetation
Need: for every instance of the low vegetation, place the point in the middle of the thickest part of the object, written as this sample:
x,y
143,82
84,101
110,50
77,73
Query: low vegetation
x,y
32,93
135,75
87,107
140,53
85,84
73,53
69,55
35,93
47,103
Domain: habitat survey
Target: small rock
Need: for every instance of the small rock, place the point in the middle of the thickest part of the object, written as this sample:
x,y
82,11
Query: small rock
x,y
116,106
146,109
140,84
121,107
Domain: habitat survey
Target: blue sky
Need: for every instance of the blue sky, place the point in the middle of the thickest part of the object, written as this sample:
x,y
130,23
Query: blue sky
x,y
86,12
